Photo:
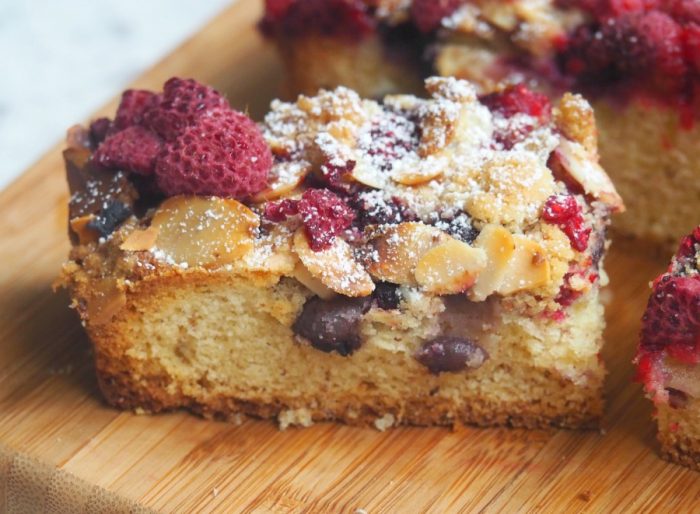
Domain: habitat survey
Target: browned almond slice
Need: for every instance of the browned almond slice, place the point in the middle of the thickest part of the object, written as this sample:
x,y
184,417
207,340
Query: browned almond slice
x,y
417,176
398,248
527,268
140,240
450,268
336,267
575,161
369,175
315,285
499,246
203,231
85,233
284,178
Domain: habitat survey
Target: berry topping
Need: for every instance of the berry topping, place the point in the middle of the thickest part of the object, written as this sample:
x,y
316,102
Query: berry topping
x,y
566,213
133,149
109,218
181,105
133,106
428,14
222,154
373,209
332,325
687,249
672,318
280,211
348,18
324,216
519,99
451,354
99,130
387,295
333,175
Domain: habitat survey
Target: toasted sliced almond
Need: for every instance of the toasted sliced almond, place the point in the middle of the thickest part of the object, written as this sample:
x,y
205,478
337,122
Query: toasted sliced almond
x,y
527,268
85,233
315,285
140,240
499,246
398,248
450,268
369,175
575,161
284,178
336,267
416,176
201,231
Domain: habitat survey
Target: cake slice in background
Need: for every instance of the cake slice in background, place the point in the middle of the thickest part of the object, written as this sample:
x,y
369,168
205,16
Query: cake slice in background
x,y
415,261
669,354
638,63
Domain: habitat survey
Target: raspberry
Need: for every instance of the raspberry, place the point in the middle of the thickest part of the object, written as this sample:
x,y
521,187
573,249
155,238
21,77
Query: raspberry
x,y
182,103
565,212
222,154
672,318
686,250
133,106
348,18
691,45
280,211
133,149
519,99
663,35
428,14
324,216
333,176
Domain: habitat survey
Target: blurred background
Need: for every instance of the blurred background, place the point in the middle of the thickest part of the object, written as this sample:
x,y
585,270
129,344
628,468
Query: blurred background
x,y
64,59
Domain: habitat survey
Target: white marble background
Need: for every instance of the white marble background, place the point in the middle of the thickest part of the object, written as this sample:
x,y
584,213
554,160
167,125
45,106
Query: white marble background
x,y
62,59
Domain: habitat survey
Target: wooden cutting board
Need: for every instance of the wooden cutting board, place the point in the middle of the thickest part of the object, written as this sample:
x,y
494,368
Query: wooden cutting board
x,y
50,407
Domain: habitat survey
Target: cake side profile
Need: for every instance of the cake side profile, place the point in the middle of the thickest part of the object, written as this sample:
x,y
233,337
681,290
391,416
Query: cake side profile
x,y
638,63
669,354
415,261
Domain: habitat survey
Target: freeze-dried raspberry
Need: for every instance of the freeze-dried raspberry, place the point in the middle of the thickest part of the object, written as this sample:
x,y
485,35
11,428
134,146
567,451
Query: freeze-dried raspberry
x,y
324,216
133,149
222,154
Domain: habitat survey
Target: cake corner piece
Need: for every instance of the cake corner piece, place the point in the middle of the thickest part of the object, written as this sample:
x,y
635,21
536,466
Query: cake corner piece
x,y
427,261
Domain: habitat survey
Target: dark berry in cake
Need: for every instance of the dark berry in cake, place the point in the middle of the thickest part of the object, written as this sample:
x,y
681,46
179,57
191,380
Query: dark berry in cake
x,y
566,213
450,354
109,218
133,149
387,295
373,208
221,154
332,325
324,216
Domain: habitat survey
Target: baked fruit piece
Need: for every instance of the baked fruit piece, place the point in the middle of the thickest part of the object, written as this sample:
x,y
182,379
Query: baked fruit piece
x,y
638,62
669,353
423,261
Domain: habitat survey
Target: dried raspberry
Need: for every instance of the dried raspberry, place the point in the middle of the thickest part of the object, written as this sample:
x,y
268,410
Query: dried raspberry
x,y
222,154
663,35
324,216
691,45
672,318
182,103
347,18
565,212
373,209
133,106
133,149
333,176
428,14
519,99
280,211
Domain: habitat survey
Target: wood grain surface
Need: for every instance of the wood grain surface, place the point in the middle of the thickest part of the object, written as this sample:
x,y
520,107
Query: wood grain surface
x,y
50,408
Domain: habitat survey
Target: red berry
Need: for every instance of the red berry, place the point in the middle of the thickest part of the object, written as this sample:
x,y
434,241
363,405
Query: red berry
x,y
663,36
348,18
566,213
99,130
182,103
221,154
280,211
428,14
672,318
133,106
519,99
691,45
133,149
324,216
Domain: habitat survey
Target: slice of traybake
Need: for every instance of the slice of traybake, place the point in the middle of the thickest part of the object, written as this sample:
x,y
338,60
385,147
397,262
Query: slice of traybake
x,y
425,261
638,62
669,354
